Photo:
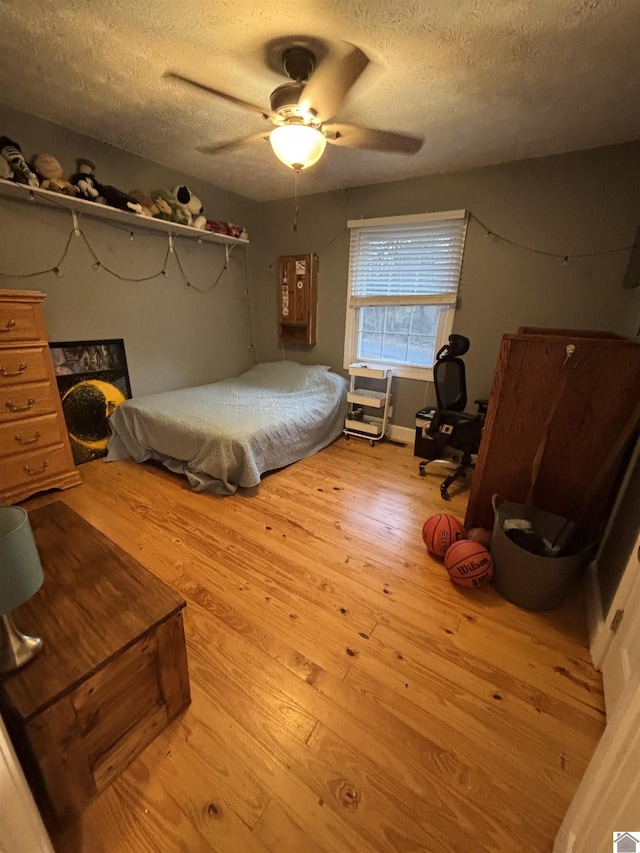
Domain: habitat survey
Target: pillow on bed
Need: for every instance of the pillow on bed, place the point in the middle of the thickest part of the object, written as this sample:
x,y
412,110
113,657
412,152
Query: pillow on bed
x,y
288,374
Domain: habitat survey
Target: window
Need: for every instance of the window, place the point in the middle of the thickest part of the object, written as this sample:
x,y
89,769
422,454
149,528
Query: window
x,y
404,273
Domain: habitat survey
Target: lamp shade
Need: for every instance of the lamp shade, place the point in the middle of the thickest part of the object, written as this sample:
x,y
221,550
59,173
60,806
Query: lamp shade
x,y
20,569
297,145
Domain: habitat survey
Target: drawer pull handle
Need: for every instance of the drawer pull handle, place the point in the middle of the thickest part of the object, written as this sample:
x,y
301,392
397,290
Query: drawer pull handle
x,y
33,440
13,408
10,324
18,372
34,471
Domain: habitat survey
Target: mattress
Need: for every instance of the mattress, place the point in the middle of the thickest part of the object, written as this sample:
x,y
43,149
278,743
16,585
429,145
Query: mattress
x,y
226,435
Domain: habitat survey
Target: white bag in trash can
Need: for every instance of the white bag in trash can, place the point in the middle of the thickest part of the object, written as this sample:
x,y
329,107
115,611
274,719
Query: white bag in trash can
x,y
534,581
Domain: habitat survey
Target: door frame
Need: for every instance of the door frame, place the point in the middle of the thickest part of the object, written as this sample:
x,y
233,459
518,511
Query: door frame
x,y
600,627
22,826
601,630
589,818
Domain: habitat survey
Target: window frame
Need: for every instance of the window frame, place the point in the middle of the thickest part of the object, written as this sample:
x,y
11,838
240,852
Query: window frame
x,y
447,301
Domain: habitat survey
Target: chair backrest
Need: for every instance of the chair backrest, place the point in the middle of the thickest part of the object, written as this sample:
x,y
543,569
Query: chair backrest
x,y
449,375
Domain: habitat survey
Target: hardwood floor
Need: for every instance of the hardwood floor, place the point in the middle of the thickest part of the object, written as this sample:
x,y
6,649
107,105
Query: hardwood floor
x,y
347,697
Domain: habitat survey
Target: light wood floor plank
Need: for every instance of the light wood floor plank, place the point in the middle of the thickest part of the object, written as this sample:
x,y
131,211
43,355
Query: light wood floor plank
x,y
279,832
347,697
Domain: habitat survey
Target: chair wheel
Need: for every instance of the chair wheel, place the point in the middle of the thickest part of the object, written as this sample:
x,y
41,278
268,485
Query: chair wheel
x,y
422,472
445,494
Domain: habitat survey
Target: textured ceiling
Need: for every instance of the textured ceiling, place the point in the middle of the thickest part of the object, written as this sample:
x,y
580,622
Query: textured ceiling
x,y
483,81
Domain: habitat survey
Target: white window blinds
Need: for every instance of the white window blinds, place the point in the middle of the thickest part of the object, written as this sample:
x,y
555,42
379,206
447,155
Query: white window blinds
x,y
418,258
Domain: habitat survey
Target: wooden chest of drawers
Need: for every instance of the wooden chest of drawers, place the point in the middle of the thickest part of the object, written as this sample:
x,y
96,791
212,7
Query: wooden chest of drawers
x,y
34,446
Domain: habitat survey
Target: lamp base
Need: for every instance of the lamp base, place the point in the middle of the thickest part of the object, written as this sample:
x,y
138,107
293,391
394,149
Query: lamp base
x,y
16,649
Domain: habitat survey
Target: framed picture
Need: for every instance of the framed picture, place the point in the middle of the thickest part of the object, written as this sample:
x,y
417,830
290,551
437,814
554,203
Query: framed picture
x,y
93,380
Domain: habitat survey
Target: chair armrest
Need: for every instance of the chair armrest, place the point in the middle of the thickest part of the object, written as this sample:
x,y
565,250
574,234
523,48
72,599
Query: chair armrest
x,y
452,416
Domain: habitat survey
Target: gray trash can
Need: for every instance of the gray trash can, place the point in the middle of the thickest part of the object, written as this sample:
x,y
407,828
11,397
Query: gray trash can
x,y
529,580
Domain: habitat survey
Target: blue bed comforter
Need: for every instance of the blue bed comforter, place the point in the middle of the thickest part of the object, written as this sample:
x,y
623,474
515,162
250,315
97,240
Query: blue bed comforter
x,y
226,435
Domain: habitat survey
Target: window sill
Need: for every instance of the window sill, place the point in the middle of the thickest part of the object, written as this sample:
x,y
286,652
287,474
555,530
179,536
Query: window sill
x,y
404,371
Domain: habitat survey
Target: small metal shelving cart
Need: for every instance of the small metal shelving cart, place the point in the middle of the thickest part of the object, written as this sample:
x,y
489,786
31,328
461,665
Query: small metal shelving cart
x,y
369,409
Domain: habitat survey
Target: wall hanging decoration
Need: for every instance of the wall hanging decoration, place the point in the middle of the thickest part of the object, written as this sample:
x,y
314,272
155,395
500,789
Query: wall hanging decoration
x,y
93,380
297,298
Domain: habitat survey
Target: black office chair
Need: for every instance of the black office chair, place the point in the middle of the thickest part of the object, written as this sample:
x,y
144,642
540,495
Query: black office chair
x,y
448,426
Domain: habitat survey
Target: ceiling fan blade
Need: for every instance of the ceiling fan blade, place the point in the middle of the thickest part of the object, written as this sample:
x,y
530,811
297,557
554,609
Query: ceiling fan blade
x,y
265,113
331,81
235,143
350,136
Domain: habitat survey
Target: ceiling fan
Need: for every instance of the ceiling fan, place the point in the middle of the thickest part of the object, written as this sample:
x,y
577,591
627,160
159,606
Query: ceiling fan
x,y
301,109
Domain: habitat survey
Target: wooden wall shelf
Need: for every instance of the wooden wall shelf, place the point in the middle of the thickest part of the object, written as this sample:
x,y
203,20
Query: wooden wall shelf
x,y
22,192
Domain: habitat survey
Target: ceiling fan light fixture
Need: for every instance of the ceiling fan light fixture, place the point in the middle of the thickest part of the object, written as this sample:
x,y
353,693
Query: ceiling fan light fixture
x,y
297,145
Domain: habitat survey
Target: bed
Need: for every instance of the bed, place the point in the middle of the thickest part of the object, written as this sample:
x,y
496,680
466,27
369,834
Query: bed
x,y
226,435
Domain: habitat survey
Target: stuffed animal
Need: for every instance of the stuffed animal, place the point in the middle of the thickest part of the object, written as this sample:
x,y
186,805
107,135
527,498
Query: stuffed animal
x,y
118,199
84,180
50,171
148,207
190,207
6,172
91,189
168,205
12,153
164,209
216,226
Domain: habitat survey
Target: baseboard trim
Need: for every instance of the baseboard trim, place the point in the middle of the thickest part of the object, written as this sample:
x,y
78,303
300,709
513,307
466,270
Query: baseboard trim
x,y
401,433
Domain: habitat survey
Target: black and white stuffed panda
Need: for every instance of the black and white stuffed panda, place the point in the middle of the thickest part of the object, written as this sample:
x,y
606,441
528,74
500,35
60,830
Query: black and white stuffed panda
x,y
190,207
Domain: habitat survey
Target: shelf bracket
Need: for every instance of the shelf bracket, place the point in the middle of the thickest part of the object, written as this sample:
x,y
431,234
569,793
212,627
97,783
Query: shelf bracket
x,y
74,219
171,249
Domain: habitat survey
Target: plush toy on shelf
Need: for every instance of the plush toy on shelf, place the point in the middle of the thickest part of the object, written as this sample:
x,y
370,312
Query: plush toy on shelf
x,y
50,171
92,190
118,199
12,153
190,207
6,172
167,204
149,209
217,226
84,180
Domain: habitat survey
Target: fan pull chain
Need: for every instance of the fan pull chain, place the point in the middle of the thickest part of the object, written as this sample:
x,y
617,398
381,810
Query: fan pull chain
x,y
296,172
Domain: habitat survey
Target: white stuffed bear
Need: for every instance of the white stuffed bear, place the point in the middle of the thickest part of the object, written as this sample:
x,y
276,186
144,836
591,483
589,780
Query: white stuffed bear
x,y
190,207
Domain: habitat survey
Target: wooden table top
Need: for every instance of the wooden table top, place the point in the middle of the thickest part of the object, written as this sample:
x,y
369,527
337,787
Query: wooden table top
x,y
95,601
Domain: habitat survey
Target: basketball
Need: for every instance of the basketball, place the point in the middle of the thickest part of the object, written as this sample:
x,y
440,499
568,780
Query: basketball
x,y
440,531
469,563
481,535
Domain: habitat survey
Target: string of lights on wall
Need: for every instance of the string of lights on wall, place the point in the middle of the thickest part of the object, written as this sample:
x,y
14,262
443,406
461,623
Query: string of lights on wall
x,y
172,252
489,233
76,232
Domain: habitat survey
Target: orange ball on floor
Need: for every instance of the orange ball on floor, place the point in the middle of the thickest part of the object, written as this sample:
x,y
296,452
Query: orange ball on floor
x,y
481,535
468,563
440,531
